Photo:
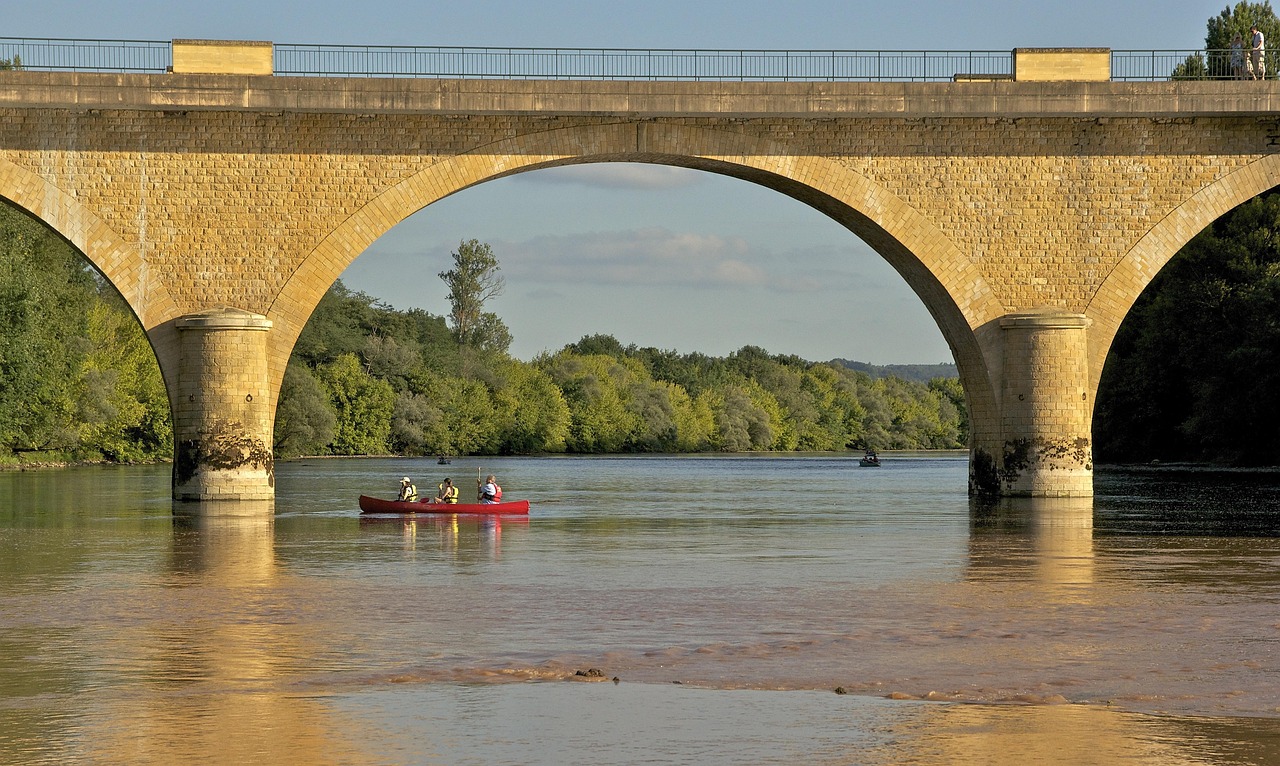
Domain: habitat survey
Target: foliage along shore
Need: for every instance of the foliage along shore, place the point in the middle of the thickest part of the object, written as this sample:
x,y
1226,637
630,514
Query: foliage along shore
x,y
366,378
80,384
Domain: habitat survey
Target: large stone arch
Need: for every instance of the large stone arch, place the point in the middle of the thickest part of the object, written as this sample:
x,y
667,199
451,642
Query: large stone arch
x,y
118,260
115,258
1120,290
946,280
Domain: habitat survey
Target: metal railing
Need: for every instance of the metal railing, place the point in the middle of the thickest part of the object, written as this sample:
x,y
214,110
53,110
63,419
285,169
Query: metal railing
x,y
635,64
1212,64
300,60
49,54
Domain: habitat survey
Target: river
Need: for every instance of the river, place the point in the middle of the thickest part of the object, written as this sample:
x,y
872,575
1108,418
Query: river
x,y
672,610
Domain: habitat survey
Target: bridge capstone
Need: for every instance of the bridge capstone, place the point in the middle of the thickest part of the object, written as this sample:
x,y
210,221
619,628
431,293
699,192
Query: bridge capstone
x,y
1028,216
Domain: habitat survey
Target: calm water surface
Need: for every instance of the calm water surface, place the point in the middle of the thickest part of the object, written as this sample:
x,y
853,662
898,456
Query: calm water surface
x,y
728,596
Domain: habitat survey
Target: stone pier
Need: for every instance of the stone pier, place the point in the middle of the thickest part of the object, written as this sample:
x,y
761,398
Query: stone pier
x,y
1046,415
223,413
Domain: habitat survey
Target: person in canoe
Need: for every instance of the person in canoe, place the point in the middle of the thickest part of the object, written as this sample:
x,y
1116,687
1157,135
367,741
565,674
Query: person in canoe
x,y
448,492
408,492
489,490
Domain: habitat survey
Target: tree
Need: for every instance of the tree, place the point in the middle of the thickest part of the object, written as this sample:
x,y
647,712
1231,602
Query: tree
x,y
363,406
746,418
306,422
46,293
338,325
390,360
473,281
1221,29
1194,368
123,409
595,389
467,421
413,424
13,63
534,416
598,344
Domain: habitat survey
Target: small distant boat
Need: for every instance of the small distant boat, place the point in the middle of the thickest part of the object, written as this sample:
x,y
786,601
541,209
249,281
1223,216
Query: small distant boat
x,y
869,460
442,460
378,505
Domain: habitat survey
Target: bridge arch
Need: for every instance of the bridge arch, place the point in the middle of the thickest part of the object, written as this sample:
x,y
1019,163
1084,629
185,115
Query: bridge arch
x,y
1120,290
116,259
946,280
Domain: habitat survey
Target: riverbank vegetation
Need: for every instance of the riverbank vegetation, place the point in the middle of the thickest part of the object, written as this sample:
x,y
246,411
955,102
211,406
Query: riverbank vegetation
x,y
1194,373
366,378
79,382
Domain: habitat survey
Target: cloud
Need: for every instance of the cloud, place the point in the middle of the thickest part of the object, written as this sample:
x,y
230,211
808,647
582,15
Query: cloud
x,y
651,257
616,175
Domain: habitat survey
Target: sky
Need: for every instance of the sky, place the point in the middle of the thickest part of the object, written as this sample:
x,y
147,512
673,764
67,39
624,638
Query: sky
x,y
655,256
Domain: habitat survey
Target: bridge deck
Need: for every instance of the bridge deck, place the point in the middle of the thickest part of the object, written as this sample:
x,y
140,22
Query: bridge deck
x,y
177,92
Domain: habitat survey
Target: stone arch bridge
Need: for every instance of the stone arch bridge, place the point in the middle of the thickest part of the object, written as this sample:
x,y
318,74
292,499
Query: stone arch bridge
x,y
1027,216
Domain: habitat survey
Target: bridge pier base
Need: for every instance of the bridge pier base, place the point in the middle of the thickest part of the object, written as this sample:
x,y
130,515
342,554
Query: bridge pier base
x,y
223,427
1046,412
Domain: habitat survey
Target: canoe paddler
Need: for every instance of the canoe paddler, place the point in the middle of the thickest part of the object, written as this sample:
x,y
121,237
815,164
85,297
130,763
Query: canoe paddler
x,y
489,490
408,492
448,492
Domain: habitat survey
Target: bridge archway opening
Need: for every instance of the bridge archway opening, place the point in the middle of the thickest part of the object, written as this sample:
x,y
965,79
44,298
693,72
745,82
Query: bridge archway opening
x,y
704,247
642,250
1191,373
79,378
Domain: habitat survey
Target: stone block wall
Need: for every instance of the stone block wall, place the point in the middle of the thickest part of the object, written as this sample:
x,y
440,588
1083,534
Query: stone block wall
x,y
1061,64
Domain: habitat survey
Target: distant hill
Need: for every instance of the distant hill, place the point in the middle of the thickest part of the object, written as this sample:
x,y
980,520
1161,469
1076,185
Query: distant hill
x,y
922,373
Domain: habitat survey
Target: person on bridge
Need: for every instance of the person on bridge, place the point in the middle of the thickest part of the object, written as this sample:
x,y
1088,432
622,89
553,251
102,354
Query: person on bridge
x,y
408,492
489,490
1257,47
448,492
1237,57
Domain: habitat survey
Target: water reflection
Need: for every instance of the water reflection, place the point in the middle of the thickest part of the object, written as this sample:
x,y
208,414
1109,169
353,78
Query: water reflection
x,y
256,509
462,538
216,668
226,549
1069,734
1048,539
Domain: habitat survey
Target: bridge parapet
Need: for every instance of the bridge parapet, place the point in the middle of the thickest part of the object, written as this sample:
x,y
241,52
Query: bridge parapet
x,y
615,64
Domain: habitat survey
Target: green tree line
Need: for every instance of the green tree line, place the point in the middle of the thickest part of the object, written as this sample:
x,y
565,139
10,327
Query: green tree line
x,y
368,379
78,380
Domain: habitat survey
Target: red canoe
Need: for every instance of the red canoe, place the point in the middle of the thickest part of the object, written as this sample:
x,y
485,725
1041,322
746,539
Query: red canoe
x,y
378,505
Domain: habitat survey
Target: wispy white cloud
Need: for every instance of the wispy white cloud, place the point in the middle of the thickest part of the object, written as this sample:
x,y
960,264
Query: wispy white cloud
x,y
616,175
652,256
